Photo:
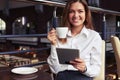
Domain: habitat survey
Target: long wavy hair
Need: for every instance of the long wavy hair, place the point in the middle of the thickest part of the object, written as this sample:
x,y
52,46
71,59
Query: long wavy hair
x,y
88,19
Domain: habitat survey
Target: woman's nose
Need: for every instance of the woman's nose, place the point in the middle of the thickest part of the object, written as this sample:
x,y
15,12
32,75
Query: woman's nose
x,y
76,14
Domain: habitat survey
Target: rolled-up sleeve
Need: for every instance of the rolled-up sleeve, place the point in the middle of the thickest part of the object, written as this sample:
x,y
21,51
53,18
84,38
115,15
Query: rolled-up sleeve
x,y
93,67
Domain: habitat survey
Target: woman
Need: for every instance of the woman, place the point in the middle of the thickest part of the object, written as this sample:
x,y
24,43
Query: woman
x,y
80,36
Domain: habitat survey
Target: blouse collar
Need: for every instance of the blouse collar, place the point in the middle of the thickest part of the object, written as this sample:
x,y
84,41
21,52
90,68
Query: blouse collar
x,y
84,32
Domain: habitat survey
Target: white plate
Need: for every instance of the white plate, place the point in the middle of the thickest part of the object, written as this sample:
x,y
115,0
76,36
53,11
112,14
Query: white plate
x,y
24,70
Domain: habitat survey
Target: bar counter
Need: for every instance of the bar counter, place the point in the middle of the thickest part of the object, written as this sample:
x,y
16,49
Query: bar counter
x,y
6,74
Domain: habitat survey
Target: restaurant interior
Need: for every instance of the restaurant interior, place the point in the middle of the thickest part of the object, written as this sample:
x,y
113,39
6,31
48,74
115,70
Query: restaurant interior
x,y
24,25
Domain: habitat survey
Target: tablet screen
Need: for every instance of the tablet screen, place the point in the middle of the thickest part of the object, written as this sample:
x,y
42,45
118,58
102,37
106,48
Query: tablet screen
x,y
67,54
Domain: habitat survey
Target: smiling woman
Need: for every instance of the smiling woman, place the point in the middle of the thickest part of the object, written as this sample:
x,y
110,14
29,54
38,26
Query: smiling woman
x,y
81,36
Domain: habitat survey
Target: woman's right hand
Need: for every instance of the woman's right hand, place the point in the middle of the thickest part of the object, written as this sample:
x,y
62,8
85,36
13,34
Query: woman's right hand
x,y
52,36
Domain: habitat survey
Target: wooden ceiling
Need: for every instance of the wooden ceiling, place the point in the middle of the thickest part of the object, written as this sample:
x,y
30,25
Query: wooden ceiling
x,y
13,4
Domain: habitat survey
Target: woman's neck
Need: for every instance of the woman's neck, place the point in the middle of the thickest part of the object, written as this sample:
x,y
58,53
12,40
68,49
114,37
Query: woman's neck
x,y
76,30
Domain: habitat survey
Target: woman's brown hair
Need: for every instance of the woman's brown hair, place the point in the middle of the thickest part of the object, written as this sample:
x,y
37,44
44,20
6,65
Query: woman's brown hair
x,y
88,20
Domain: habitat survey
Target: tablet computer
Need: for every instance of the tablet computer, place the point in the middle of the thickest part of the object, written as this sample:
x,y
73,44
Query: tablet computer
x,y
66,54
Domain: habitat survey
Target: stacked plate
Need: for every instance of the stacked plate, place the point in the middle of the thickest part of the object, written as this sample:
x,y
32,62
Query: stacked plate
x,y
24,70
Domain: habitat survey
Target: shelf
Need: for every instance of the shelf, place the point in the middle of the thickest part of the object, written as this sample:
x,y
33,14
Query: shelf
x,y
104,11
51,3
25,35
23,51
29,39
62,4
44,2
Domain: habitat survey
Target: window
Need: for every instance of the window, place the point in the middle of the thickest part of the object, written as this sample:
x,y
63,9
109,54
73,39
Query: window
x,y
2,27
94,3
22,26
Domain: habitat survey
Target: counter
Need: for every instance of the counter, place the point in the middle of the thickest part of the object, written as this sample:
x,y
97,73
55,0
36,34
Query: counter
x,y
6,74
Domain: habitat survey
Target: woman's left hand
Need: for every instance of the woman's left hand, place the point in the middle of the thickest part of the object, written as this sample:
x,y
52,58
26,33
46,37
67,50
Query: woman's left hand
x,y
79,64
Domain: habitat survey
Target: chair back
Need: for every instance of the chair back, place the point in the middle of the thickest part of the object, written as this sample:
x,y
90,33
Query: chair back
x,y
101,76
116,48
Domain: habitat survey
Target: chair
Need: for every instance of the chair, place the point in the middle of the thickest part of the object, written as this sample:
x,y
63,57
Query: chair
x,y
116,48
101,76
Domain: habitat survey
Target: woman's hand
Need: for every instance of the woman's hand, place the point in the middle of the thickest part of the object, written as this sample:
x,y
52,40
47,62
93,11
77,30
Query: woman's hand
x,y
52,36
79,64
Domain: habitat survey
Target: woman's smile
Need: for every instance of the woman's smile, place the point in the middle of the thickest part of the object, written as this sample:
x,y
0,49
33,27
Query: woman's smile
x,y
77,14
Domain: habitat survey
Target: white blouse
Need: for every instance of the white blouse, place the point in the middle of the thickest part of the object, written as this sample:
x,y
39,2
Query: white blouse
x,y
89,44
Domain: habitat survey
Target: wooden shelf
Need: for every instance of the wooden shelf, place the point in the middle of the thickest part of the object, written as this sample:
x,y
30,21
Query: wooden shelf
x,y
62,4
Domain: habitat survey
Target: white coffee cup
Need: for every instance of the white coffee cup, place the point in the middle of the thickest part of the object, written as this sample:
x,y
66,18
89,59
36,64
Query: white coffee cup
x,y
62,32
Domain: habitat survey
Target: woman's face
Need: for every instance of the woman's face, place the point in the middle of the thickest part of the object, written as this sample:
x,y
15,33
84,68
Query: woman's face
x,y
77,14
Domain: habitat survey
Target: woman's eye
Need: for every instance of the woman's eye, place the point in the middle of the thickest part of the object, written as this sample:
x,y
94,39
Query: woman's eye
x,y
80,11
71,11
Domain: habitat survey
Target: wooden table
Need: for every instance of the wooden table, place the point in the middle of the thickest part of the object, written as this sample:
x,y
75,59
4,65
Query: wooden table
x,y
6,74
